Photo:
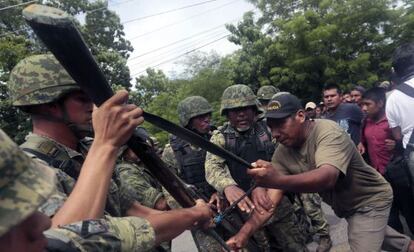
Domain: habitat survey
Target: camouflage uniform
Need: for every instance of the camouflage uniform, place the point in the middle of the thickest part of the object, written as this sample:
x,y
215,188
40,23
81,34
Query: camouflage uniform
x,y
38,80
188,108
281,230
107,234
135,180
309,205
27,184
69,162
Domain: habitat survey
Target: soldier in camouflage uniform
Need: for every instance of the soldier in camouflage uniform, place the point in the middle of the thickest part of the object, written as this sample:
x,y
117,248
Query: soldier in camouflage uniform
x,y
265,93
27,185
251,140
187,160
61,115
133,177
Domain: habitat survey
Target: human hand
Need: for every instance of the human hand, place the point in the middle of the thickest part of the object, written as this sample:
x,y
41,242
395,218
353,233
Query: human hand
x,y
361,148
233,193
114,121
264,173
261,200
206,214
238,241
217,201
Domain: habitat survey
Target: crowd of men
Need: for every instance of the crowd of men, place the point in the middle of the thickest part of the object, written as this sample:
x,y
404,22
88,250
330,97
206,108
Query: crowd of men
x,y
74,185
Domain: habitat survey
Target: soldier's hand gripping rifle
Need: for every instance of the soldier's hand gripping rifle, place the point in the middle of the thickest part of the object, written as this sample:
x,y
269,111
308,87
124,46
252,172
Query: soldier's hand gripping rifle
x,y
57,31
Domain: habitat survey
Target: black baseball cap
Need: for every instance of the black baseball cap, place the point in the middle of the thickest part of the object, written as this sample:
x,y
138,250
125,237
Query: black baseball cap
x,y
283,106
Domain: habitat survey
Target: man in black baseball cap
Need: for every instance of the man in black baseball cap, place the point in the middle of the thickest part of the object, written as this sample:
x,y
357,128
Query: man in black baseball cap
x,y
319,156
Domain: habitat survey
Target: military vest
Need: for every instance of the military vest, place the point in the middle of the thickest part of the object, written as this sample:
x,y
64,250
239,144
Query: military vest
x,y
70,162
252,145
191,165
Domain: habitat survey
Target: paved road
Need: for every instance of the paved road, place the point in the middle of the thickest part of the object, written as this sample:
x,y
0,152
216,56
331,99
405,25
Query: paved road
x,y
185,243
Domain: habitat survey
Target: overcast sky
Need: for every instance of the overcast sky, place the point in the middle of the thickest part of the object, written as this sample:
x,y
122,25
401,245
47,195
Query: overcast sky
x,y
183,30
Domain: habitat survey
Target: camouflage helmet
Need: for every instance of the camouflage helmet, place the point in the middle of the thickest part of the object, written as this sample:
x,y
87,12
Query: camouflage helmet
x,y
24,184
280,93
191,107
237,96
39,79
266,92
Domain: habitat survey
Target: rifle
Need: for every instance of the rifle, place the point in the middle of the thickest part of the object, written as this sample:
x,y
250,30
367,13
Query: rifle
x,y
57,31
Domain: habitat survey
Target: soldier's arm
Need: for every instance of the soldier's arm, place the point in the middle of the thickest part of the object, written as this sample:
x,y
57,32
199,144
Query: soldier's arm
x,y
135,181
217,172
113,124
128,234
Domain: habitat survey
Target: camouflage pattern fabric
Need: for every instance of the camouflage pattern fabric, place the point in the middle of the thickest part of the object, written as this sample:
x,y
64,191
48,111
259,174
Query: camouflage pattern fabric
x,y
191,107
266,92
24,184
284,221
203,242
117,203
108,234
237,96
217,173
136,180
39,79
309,205
169,158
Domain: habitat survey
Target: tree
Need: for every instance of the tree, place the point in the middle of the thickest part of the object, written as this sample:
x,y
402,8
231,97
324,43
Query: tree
x,y
102,30
298,45
207,75
151,85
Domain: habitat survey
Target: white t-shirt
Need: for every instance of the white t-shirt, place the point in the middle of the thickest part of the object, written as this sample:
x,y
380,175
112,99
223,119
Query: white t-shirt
x,y
400,112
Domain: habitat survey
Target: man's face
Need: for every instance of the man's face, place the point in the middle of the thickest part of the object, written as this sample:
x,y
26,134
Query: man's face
x,y
356,96
79,108
201,123
241,118
371,108
311,113
288,131
331,98
346,98
27,235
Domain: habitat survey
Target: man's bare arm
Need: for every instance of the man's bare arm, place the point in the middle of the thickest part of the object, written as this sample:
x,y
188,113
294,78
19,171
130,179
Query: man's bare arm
x,y
317,180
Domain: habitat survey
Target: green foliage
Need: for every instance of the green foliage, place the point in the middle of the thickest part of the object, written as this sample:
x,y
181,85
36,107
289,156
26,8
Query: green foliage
x,y
206,75
102,30
299,45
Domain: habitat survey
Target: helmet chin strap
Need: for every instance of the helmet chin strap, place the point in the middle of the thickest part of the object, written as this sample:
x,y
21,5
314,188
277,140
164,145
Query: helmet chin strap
x,y
79,130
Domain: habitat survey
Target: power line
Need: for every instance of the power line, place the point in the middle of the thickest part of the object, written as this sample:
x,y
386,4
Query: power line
x,y
181,21
16,5
168,11
161,56
179,56
179,41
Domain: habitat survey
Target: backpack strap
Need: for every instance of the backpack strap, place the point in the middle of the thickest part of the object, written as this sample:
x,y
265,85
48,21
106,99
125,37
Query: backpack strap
x,y
406,89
